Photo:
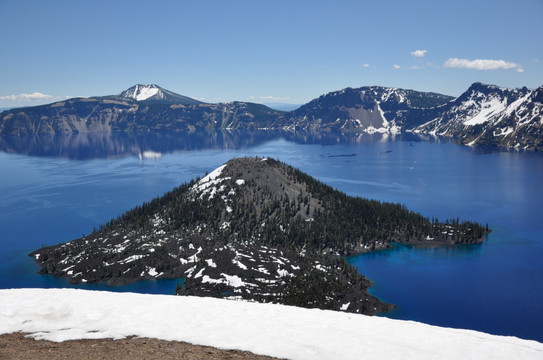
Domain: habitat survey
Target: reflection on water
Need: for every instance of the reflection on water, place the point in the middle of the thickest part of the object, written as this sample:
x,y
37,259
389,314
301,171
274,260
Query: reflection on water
x,y
408,254
85,146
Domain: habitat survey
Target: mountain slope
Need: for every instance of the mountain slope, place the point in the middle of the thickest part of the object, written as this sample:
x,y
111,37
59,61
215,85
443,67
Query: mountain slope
x,y
366,109
252,229
492,116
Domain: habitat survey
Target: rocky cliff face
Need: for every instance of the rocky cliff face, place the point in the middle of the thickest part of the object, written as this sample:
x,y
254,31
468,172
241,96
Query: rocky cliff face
x,y
66,117
107,114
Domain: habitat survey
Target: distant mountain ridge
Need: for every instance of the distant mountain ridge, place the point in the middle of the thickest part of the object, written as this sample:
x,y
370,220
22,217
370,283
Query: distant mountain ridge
x,y
367,109
140,108
483,115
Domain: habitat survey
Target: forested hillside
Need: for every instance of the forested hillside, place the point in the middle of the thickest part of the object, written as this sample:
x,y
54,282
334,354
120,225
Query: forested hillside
x,y
254,229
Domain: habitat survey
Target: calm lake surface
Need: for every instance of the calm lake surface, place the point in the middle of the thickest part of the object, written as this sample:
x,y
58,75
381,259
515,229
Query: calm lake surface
x,y
58,188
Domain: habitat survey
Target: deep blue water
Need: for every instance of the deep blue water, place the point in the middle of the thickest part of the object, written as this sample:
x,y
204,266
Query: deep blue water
x,y
55,189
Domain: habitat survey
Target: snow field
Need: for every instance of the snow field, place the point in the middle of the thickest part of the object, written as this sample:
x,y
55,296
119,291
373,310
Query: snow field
x,y
275,330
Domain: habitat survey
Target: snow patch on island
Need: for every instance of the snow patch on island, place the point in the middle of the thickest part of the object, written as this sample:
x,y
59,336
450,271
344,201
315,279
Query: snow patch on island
x,y
208,184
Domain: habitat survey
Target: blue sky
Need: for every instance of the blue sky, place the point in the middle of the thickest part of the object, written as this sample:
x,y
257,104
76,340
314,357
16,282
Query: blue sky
x,y
264,51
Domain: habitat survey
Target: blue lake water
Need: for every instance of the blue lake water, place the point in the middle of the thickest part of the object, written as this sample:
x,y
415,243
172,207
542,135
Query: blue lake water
x,y
55,189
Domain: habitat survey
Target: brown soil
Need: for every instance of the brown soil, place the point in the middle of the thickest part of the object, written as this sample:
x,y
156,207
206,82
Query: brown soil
x,y
17,346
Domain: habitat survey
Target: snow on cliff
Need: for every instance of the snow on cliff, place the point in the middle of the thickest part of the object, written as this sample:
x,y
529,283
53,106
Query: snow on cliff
x,y
275,330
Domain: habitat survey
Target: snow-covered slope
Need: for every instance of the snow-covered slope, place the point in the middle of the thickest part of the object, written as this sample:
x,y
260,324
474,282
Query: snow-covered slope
x,y
268,329
491,115
154,93
143,92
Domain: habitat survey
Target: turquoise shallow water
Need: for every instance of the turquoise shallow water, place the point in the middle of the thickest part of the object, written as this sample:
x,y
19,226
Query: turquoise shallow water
x,y
56,194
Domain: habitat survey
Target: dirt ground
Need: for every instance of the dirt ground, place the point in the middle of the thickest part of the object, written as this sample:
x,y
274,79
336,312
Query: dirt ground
x,y
16,346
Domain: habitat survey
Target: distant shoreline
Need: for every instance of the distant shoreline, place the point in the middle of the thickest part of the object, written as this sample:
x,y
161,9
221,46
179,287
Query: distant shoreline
x,y
415,244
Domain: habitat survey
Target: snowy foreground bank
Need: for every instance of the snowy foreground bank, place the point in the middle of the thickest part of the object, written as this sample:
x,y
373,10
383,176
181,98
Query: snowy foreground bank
x,y
281,331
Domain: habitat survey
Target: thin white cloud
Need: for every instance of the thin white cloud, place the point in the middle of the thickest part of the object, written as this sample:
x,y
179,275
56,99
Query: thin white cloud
x,y
395,66
366,65
274,98
36,96
419,54
482,64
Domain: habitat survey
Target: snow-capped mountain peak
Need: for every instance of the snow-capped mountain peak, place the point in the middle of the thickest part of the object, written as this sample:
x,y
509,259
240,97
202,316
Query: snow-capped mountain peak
x,y
144,92
154,93
141,92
